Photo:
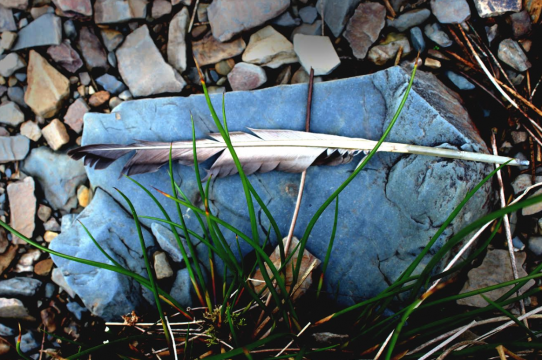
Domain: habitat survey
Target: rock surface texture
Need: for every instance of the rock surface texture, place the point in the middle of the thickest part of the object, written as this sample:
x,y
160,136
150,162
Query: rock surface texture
x,y
418,192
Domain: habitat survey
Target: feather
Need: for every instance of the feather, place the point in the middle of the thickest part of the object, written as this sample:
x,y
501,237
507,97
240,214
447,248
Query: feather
x,y
262,151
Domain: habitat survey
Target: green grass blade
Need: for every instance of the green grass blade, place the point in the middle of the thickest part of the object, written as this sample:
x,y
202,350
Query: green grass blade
x,y
330,246
510,315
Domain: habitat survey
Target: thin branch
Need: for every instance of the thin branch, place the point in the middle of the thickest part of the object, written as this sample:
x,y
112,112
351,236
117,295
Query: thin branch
x,y
291,342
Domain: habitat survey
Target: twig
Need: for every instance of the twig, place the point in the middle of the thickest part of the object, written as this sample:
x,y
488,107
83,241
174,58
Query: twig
x,y
390,8
155,324
291,342
448,340
460,345
398,55
500,350
172,338
383,346
193,16
509,323
535,88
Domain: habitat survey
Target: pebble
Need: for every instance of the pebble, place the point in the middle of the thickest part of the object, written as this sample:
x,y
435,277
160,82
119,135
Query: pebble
x,y
51,225
19,287
230,17
114,102
167,241
91,48
65,56
111,38
31,130
84,196
435,33
10,64
15,4
210,51
515,77
76,309
308,14
44,267
99,98
450,11
10,114
6,331
336,13
110,84
316,52
75,113
44,212
364,28
535,244
268,47
460,81
533,209
150,74
55,134
162,268
13,309
520,23
49,236
59,279
246,76
47,88
48,316
7,258
29,343
13,148
224,67
45,30
286,20
125,95
84,77
511,53
8,39
409,19
176,46
388,48
7,22
160,8
119,11
16,94
22,205
519,137
490,8
416,37
75,7
202,12
306,29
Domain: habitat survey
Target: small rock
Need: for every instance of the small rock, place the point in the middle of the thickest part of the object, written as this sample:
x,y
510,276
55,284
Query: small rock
x,y
30,257
230,17
491,8
65,56
176,46
51,225
520,23
284,76
286,20
526,44
336,13
125,95
435,33
148,75
160,8
209,50
22,206
59,279
13,148
44,267
118,11
364,28
492,32
44,212
31,130
224,67
518,244
268,47
15,4
8,39
416,37
306,29
48,316
162,268
316,52
388,48
84,77
84,196
19,287
45,30
515,78
410,19
450,11
182,288
13,309
75,113
511,53
519,137
28,343
55,134
460,81
81,7
246,77
49,236
7,22
112,39
7,258
99,98
308,14
47,88
167,241
533,209
16,94
4,242
92,49
70,30
199,31
6,331
535,244
10,114
110,84
76,309
11,63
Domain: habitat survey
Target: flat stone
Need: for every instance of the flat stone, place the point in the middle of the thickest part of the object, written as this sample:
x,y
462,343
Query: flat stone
x,y
409,19
268,47
6,331
44,267
306,29
15,4
120,240
119,11
286,20
450,11
8,39
22,206
160,8
47,88
364,28
531,209
65,56
92,49
416,37
149,74
230,17
495,269
10,64
58,175
336,13
13,309
511,53
13,148
246,77
55,134
10,114
520,23
491,8
162,268
388,48
209,50
460,81
75,113
75,7
76,309
19,287
308,14
7,22
45,30
435,33
316,52
38,11
112,39
111,84
31,130
176,45
521,182
391,189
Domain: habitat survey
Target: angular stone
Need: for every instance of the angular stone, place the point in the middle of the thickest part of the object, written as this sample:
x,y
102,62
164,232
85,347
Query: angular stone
x,y
45,30
336,13
15,4
7,22
306,29
65,56
285,20
160,8
31,130
490,8
450,11
460,81
435,33
112,39
388,48
58,175
316,52
230,17
268,47
99,98
92,49
162,268
149,74
520,23
10,64
209,50
58,278
22,206
81,7
120,240
391,189
13,309
418,42
182,289
36,12
308,14
118,11
8,39
511,53
44,212
47,88
167,241
75,113
364,28
13,148
246,77
522,182
176,45
224,67
19,287
51,225
111,84
49,236
55,134
10,114
531,209
409,19
84,196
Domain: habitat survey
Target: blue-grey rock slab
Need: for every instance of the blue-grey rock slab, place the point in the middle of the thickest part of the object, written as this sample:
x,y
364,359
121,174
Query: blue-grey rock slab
x,y
105,293
13,148
45,30
19,287
336,13
386,215
409,19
